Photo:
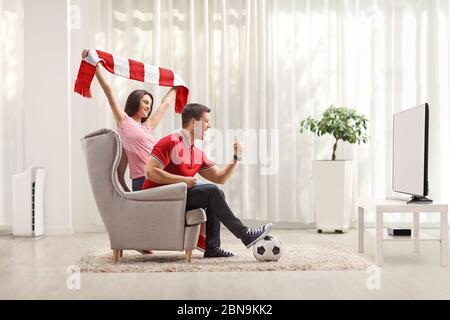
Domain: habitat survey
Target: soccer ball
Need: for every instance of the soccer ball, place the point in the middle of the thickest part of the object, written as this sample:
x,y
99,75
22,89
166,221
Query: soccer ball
x,y
267,249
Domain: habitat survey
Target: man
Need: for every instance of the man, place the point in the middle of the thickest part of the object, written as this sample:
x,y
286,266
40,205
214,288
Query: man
x,y
175,159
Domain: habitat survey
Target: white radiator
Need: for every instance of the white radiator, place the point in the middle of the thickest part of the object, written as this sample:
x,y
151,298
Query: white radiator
x,y
28,203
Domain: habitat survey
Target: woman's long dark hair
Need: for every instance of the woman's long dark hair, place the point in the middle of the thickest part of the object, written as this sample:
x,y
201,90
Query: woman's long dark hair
x,y
134,101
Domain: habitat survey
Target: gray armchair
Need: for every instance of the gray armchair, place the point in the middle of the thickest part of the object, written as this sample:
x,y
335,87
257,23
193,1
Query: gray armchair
x,y
149,219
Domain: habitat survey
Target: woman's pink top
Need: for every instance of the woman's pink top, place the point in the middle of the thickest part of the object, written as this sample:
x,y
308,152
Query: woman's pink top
x,y
138,142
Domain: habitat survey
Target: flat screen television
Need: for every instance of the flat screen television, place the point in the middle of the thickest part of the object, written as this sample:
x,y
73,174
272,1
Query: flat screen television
x,y
410,153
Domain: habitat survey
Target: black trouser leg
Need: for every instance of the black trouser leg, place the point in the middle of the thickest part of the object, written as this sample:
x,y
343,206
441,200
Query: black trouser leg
x,y
212,230
209,196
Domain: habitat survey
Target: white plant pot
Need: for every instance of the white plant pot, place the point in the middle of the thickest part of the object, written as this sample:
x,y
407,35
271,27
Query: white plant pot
x,y
332,194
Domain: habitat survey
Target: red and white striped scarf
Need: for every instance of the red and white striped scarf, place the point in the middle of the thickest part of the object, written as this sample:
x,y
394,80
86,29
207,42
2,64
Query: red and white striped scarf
x,y
130,69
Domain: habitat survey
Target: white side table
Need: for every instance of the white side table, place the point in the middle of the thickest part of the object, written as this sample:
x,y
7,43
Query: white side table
x,y
382,206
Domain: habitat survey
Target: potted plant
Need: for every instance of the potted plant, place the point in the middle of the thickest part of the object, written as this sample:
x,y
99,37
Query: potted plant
x,y
333,178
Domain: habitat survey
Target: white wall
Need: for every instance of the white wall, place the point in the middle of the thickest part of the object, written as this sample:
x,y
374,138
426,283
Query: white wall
x,y
11,104
85,116
56,118
47,105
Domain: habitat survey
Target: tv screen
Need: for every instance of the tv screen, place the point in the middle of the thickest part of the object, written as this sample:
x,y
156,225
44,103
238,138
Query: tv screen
x,y
410,151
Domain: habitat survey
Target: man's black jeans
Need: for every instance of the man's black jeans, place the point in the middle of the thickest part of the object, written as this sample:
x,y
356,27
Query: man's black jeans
x,y
209,197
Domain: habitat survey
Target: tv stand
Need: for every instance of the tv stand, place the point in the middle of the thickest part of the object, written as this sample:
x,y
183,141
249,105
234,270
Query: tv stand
x,y
400,207
419,199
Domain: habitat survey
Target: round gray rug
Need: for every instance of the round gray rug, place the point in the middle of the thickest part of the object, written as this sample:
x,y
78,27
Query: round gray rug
x,y
295,257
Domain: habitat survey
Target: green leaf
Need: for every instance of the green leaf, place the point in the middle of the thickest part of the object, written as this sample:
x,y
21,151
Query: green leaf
x,y
341,123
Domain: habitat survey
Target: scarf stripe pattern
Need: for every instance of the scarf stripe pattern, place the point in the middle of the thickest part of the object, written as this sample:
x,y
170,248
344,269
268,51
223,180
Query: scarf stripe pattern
x,y
130,69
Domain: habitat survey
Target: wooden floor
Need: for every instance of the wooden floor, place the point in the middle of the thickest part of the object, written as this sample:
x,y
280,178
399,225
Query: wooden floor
x,y
37,269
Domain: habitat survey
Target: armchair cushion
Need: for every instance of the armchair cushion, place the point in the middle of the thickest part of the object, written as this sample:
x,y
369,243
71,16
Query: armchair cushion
x,y
176,191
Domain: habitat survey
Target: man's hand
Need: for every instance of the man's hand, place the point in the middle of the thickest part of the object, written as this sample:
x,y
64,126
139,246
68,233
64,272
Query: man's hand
x,y
221,175
190,181
153,172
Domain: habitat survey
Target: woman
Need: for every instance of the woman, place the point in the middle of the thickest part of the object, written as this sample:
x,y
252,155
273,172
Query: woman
x,y
135,125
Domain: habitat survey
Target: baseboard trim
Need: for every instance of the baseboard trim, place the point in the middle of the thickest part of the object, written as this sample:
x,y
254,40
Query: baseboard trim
x,y
287,225
276,225
90,228
5,230
58,230
52,230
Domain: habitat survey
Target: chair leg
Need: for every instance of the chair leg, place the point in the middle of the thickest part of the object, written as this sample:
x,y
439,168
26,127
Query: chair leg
x,y
115,255
188,255
120,253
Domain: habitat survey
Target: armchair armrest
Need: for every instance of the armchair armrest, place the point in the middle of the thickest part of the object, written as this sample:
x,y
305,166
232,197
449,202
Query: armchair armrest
x,y
195,216
176,191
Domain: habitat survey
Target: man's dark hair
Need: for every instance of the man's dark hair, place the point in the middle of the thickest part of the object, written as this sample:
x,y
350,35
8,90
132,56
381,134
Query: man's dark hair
x,y
192,110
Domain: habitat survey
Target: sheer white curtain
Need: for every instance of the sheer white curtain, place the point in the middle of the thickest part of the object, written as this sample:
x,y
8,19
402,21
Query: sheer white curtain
x,y
264,65
11,105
